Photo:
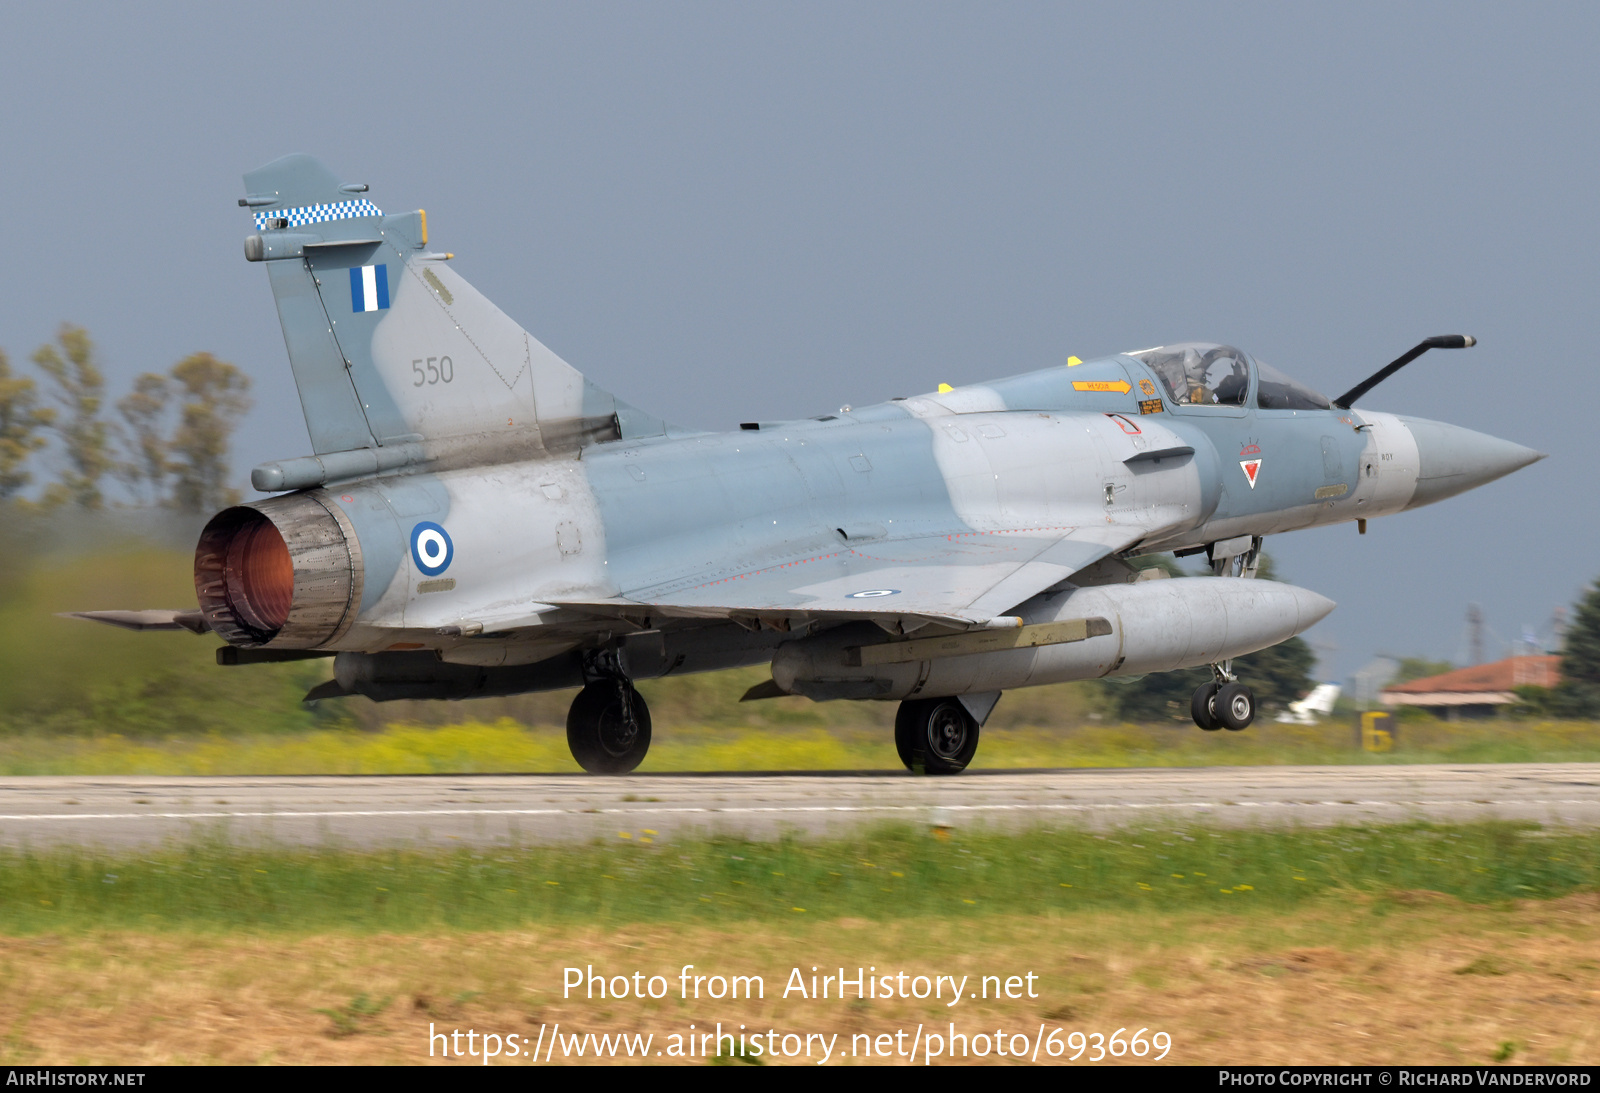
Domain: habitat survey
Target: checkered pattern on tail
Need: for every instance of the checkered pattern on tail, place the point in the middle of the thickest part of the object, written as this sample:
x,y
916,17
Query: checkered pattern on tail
x,y
317,214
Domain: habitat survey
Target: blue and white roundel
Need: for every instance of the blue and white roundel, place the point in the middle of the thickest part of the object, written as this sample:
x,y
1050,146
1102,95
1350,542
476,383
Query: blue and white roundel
x,y
874,593
431,548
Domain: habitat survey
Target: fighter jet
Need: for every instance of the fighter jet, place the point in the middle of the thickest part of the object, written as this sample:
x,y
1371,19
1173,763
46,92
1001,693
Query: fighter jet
x,y
478,518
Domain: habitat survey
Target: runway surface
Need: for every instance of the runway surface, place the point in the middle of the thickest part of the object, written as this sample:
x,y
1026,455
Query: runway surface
x,y
535,808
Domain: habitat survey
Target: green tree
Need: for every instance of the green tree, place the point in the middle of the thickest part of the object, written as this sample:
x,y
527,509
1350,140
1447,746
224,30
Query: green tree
x,y
213,398
85,436
144,409
1578,693
21,422
1279,675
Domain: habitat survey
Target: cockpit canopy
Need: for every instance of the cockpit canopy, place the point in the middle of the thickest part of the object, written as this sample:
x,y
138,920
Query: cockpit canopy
x,y
1208,374
1200,373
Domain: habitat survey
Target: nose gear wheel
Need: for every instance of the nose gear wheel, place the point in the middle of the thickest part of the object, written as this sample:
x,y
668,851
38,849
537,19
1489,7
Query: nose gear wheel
x,y
1234,707
1200,706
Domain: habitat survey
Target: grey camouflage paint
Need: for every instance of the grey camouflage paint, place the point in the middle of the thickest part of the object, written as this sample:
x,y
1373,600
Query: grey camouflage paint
x,y
579,523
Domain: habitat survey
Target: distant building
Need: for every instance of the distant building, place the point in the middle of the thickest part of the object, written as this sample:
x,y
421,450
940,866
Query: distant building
x,y
1478,691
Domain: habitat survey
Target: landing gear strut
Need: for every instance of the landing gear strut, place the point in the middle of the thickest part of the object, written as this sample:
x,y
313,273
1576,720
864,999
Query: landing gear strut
x,y
935,735
1224,703
608,725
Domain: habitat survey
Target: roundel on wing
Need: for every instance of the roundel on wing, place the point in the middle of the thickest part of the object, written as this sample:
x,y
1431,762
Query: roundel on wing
x,y
431,548
874,593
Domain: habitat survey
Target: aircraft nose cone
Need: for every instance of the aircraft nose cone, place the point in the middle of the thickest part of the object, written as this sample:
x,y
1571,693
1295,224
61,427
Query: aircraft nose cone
x,y
1452,460
1312,607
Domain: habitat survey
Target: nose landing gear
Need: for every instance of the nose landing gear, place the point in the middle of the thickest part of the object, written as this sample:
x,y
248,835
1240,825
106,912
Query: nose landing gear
x,y
1200,706
1224,703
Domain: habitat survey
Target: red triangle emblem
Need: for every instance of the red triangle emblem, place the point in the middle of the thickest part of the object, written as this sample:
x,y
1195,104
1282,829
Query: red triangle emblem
x,y
1251,468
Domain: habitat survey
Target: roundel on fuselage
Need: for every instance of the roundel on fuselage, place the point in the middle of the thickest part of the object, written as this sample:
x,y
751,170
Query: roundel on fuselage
x,y
431,548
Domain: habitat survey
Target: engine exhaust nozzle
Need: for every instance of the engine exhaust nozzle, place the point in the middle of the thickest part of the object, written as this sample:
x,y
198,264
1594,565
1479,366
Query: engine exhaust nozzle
x,y
284,572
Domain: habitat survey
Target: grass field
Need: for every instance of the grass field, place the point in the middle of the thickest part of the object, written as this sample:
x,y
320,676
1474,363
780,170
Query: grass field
x,y
882,872
510,746
1450,944
1425,981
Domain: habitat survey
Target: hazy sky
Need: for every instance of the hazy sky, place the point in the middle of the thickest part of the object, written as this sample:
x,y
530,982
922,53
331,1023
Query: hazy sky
x,y
730,212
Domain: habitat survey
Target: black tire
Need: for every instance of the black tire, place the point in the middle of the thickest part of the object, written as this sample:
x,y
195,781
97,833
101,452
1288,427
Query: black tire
x,y
597,731
935,736
1234,707
905,734
1201,706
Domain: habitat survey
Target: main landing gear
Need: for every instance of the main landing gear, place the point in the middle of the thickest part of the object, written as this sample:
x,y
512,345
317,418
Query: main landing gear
x,y
608,725
935,735
1224,703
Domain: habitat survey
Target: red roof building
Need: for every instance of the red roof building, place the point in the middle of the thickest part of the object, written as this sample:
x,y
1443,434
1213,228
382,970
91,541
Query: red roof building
x,y
1476,691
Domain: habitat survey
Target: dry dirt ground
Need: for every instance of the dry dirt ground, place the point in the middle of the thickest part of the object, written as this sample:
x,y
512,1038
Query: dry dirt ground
x,y
1405,979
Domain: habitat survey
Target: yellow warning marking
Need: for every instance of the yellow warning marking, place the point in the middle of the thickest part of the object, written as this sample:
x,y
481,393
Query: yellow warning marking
x,y
1121,387
1073,362
945,388
422,214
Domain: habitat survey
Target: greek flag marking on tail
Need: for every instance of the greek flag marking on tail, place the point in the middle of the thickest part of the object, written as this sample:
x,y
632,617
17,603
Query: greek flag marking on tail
x,y
369,288
317,214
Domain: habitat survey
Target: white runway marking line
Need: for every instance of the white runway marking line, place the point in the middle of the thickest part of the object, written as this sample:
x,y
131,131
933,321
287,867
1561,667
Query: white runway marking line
x,y
27,817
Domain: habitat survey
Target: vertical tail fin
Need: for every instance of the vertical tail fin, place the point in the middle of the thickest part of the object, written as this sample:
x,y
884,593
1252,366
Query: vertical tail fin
x,y
391,349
